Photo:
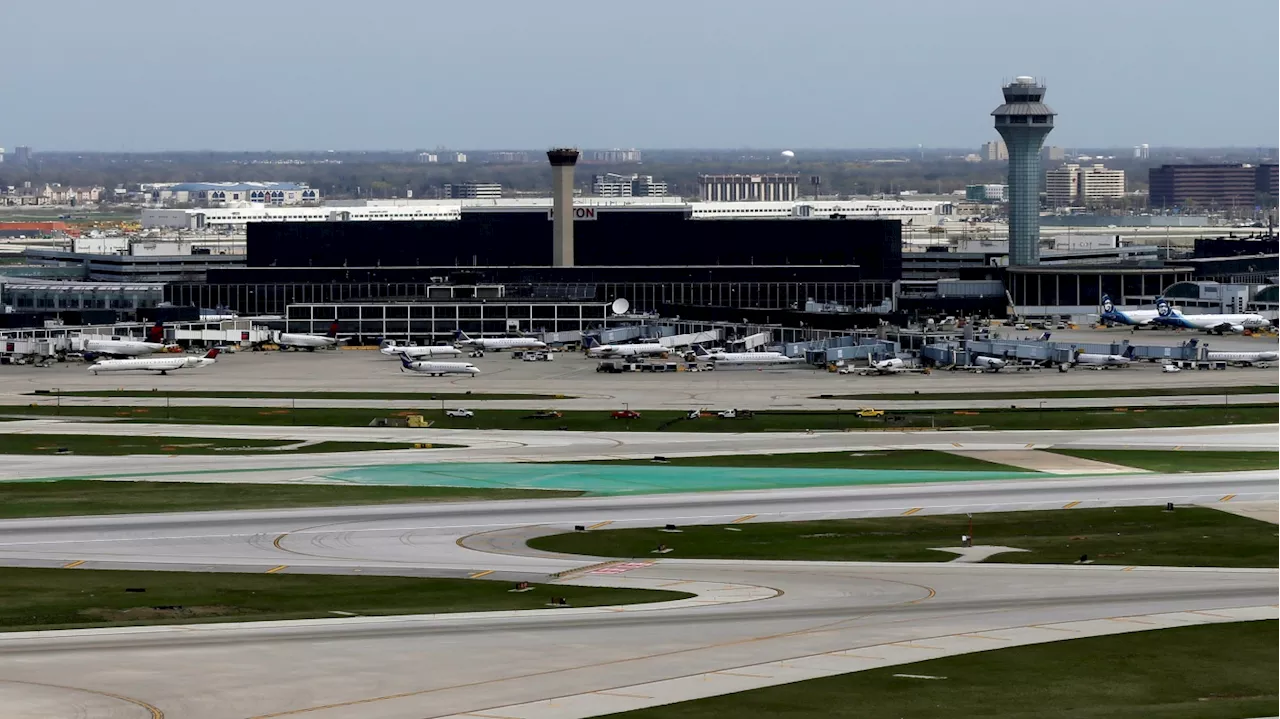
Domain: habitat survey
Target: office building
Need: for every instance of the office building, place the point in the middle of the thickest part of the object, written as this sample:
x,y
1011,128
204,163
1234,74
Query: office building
x,y
739,188
1,155
21,155
985,193
217,194
994,151
1073,185
1052,153
1209,186
508,157
1142,152
1024,121
614,185
428,158
614,156
473,190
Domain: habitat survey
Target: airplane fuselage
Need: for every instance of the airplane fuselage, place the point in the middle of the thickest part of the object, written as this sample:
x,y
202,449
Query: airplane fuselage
x,y
422,352
123,348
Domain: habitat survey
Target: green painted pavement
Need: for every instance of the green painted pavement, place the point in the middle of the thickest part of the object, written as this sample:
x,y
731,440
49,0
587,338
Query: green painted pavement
x,y
630,479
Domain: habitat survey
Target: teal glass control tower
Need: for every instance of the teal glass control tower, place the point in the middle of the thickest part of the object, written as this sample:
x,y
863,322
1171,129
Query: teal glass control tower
x,y
1024,121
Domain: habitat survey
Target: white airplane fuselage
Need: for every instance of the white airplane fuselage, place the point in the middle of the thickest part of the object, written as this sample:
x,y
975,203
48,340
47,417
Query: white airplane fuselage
x,y
421,352
624,350
438,369
307,341
163,365
1246,358
123,348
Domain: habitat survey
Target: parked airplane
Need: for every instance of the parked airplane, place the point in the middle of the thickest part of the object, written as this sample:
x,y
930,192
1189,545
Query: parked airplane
x,y
310,342
988,364
163,365
893,365
1243,359
1139,318
125,347
640,349
1100,361
498,343
1208,323
391,349
437,369
761,359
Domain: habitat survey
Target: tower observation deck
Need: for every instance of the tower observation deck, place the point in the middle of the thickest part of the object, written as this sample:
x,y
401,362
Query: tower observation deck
x,y
1024,121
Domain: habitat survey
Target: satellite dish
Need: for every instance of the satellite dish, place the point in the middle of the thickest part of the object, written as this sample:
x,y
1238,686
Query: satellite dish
x,y
620,306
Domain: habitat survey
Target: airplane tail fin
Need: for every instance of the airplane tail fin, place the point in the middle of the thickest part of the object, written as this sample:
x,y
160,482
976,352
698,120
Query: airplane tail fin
x,y
1162,307
588,341
1128,352
212,354
155,333
333,330
700,351
460,336
405,361
1045,337
1107,306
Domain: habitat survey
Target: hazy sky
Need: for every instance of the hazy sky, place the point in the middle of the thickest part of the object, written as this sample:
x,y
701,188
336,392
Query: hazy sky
x,y
388,74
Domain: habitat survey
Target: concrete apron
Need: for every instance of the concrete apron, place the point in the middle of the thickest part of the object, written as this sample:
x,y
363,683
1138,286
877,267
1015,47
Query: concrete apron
x,y
1048,462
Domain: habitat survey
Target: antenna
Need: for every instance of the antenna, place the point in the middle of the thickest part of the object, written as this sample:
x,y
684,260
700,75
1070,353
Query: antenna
x,y
620,306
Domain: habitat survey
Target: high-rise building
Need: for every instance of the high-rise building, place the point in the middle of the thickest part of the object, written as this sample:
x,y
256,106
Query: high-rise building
x,y
1053,153
473,190
615,156
1208,185
737,188
1024,121
612,184
22,155
509,157
985,193
994,151
1073,185
1142,152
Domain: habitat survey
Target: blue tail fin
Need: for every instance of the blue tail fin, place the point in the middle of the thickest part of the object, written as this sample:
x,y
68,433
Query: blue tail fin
x,y
588,341
1107,307
1045,337
405,361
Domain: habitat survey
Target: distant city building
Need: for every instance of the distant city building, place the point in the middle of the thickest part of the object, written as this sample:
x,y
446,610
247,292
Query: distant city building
x,y
22,155
1,155
1073,185
458,157
1052,153
50,193
508,157
736,188
428,157
217,194
614,156
994,151
985,193
614,185
1210,185
1023,121
1142,152
473,191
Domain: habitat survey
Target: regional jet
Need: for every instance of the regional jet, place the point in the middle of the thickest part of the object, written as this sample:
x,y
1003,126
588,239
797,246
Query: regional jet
x,y
485,344
437,369
391,349
755,359
642,349
1101,361
163,365
126,347
1208,323
1242,359
310,342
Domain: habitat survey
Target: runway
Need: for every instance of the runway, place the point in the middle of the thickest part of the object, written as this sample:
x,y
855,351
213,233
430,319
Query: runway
x,y
751,613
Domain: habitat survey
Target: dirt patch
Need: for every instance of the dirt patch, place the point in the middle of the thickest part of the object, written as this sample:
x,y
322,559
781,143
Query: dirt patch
x,y
160,612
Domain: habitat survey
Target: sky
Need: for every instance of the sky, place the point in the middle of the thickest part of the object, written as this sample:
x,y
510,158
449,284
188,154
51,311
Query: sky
x,y
152,75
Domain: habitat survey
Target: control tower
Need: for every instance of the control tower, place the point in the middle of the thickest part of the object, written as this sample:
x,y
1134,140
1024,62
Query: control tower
x,y
562,161
1024,121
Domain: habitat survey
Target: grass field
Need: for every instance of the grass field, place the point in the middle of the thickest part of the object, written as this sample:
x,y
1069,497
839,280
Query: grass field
x,y
75,497
1178,461
66,598
1076,418
1119,393
922,459
113,445
233,394
1218,671
1189,536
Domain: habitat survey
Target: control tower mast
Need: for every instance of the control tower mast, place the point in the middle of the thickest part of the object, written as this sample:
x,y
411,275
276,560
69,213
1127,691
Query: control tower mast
x,y
1024,121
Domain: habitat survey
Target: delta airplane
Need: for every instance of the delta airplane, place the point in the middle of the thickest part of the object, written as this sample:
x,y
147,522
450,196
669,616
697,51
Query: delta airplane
x,y
1138,318
123,347
437,369
759,359
310,342
1099,361
498,343
651,349
391,349
1208,323
1242,359
163,365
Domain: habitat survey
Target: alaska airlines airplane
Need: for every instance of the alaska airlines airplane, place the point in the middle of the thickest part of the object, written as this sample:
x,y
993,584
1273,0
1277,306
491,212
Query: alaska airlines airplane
x,y
437,369
163,365
1244,359
1208,323
1140,318
595,349
125,347
391,349
310,342
743,358
498,343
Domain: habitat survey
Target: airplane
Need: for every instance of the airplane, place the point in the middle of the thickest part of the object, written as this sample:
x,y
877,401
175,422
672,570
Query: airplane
x,y
125,347
437,369
163,365
1242,359
595,349
310,342
1098,361
391,349
988,364
497,343
743,358
1208,323
893,365
1139,318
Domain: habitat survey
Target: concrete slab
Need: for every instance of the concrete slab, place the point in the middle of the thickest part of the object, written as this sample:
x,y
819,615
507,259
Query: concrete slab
x,y
1048,462
1261,511
978,553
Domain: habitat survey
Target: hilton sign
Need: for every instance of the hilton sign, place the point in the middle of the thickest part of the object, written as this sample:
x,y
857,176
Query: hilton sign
x,y
579,213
